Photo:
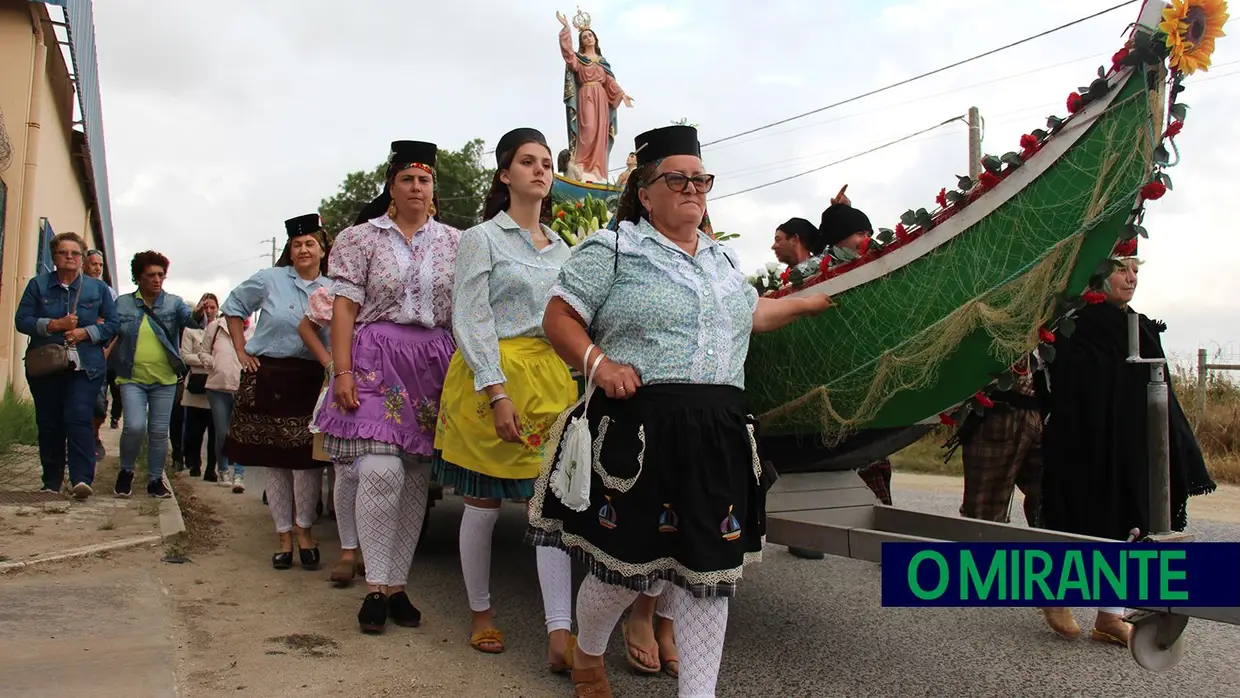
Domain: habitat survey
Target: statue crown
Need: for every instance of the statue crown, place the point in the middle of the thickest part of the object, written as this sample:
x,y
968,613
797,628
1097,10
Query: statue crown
x,y
581,20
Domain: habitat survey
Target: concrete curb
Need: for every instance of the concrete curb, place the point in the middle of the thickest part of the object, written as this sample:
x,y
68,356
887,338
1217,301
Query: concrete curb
x,y
171,523
80,552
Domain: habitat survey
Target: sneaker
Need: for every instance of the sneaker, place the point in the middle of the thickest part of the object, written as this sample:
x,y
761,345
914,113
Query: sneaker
x,y
238,484
158,490
82,491
124,484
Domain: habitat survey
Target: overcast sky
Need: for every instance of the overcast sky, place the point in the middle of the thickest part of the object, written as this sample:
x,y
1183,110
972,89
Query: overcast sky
x,y
224,118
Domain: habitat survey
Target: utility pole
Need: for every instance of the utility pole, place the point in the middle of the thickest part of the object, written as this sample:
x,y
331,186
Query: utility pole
x,y
975,143
272,240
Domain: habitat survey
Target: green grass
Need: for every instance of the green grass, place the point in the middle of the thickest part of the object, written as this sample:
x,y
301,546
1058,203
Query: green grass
x,y
17,425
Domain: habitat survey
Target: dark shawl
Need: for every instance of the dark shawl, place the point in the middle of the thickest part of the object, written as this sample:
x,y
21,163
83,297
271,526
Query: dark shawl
x,y
1095,443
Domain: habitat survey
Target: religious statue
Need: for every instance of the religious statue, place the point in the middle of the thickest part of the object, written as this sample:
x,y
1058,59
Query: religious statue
x,y
591,98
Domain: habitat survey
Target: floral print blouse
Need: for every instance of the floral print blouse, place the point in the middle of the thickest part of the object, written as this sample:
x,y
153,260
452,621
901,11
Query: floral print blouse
x,y
394,280
501,288
673,317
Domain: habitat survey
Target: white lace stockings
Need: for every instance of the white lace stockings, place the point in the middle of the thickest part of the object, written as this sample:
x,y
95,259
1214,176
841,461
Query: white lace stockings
x,y
344,494
286,488
391,502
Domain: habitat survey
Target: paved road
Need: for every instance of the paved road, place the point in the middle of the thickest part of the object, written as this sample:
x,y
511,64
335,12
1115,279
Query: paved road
x,y
816,628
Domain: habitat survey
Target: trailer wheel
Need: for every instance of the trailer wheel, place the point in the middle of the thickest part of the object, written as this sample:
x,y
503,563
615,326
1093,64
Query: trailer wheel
x,y
1157,641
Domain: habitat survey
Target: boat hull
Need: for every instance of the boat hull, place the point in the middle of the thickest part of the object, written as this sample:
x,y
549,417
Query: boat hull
x,y
918,331
565,190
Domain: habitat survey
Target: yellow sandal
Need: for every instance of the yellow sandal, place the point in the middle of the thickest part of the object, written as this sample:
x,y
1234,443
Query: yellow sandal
x,y
490,636
565,664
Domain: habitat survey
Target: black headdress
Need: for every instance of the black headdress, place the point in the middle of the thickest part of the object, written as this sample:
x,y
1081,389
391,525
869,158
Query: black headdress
x,y
665,142
405,154
516,138
303,225
841,220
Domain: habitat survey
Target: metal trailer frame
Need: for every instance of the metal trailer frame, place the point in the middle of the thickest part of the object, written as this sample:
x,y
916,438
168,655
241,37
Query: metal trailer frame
x,y
835,513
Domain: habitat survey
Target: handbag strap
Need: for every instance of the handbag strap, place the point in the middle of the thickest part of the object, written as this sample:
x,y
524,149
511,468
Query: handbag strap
x,y
590,385
151,315
78,295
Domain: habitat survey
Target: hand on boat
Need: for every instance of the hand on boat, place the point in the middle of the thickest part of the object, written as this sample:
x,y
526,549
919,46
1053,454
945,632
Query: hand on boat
x,y
815,303
507,426
619,381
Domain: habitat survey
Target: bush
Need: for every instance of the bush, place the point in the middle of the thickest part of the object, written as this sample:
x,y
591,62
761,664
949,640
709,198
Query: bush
x,y
17,425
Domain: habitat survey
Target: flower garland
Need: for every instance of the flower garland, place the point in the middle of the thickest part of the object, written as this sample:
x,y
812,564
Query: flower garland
x,y
1142,51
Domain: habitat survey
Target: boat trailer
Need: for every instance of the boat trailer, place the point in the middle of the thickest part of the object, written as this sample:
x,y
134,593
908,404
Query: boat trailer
x,y
835,513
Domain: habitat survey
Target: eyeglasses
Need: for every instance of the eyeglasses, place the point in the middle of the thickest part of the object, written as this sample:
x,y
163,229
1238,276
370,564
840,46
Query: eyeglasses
x,y
677,181
69,253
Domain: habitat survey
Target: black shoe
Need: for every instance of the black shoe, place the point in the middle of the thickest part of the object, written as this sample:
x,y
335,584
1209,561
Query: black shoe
x,y
124,484
210,475
374,613
195,471
282,561
309,558
402,612
157,489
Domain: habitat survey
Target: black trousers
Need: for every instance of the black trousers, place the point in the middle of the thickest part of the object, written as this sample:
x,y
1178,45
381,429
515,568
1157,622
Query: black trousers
x,y
197,421
176,427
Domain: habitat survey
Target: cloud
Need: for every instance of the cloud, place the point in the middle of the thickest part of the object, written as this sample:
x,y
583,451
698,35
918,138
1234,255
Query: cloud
x,y
223,119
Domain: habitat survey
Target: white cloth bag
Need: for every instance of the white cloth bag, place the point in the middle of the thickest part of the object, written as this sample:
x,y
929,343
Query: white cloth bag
x,y
570,480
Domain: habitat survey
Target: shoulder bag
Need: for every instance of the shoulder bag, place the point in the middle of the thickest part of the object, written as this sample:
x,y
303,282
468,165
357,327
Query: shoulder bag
x,y
180,372
51,359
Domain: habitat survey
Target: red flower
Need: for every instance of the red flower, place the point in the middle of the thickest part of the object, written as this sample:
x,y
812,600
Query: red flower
x,y
987,180
1153,191
983,400
941,199
561,214
1174,129
1029,141
825,264
947,419
865,247
578,204
1125,248
1093,297
1075,102
1119,56
901,232
1046,335
535,440
783,276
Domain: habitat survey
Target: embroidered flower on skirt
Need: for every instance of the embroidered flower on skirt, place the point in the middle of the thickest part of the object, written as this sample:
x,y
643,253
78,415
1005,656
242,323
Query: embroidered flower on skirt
x,y
675,491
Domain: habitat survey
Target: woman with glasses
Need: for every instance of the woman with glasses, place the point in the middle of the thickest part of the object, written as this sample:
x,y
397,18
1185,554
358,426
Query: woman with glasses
x,y
658,314
72,310
147,358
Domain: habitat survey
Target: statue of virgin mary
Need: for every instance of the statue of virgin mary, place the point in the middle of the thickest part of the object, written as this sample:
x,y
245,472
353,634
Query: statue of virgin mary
x,y
591,98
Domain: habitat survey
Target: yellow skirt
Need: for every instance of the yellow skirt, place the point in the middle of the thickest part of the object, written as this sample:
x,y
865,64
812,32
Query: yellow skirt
x,y
540,387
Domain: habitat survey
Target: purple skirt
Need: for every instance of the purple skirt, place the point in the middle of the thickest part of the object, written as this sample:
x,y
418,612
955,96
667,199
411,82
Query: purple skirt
x,y
399,372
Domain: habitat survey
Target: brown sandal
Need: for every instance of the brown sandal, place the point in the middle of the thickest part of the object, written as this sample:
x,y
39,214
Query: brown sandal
x,y
591,683
343,572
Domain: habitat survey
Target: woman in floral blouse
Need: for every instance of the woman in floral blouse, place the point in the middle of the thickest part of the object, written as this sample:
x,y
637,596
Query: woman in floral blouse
x,y
675,492
506,386
391,333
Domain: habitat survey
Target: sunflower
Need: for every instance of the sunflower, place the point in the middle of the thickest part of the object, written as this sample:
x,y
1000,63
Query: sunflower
x,y
1191,27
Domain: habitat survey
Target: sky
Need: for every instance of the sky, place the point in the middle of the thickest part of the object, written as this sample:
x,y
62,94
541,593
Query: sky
x,y
223,119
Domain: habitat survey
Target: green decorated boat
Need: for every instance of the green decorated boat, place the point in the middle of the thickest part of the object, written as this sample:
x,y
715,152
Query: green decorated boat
x,y
938,309
565,190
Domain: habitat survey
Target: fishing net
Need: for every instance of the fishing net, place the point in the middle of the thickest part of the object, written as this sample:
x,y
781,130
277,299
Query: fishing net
x,y
899,349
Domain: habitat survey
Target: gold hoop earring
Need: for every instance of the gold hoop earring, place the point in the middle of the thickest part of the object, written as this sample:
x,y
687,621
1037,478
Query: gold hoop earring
x,y
391,212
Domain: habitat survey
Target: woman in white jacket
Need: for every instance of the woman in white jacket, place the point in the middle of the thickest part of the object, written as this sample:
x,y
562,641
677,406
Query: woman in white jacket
x,y
194,398
222,381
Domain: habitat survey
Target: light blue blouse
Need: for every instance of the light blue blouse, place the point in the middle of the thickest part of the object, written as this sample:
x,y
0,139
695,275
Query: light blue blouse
x,y
501,290
673,317
281,295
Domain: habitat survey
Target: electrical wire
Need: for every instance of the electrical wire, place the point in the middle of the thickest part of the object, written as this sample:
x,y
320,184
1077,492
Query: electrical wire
x,y
919,77
843,160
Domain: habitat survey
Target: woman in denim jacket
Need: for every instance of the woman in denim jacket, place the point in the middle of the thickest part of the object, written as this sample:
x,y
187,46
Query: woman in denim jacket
x,y
147,360
64,402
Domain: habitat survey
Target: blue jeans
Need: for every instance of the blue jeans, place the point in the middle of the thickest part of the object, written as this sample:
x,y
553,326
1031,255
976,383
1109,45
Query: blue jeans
x,y
63,407
221,412
148,412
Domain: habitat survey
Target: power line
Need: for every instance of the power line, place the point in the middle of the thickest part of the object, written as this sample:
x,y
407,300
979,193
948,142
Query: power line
x,y
843,160
919,77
